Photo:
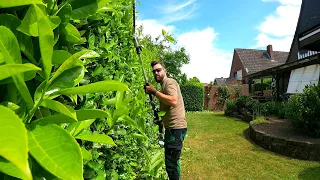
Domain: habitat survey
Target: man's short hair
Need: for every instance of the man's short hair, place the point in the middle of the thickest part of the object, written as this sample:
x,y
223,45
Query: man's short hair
x,y
153,63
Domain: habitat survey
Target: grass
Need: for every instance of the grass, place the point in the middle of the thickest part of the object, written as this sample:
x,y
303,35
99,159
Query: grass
x,y
259,120
216,147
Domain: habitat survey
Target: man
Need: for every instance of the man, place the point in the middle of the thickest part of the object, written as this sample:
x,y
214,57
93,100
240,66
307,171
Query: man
x,y
174,120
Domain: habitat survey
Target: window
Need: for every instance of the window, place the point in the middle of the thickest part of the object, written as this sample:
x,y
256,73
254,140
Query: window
x,y
239,74
235,75
301,77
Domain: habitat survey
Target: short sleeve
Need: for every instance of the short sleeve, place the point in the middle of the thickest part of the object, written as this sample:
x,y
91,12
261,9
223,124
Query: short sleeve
x,y
171,89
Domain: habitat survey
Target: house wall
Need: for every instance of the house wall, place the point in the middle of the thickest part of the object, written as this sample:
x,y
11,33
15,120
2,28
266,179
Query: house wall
x,y
236,66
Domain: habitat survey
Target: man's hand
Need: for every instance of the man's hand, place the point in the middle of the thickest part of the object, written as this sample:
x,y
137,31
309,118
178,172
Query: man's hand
x,y
150,89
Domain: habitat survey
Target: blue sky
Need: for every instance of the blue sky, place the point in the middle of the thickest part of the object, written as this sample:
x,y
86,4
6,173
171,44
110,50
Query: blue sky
x,y
211,29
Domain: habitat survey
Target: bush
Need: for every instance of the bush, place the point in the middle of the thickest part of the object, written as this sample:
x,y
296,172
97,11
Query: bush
x,y
223,95
281,109
302,110
193,96
260,87
231,107
245,102
271,108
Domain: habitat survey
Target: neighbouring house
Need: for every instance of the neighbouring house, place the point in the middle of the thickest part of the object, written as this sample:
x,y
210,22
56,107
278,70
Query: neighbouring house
x,y
249,61
302,65
205,84
219,81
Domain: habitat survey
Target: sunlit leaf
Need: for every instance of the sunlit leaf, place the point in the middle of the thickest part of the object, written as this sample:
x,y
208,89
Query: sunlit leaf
x,y
82,125
9,46
68,78
99,138
85,114
71,62
102,86
65,14
171,39
10,105
128,121
59,107
111,101
71,33
60,56
56,150
86,154
83,8
9,70
139,136
10,3
10,169
13,138
54,119
161,113
10,51
54,21
29,24
46,41
164,32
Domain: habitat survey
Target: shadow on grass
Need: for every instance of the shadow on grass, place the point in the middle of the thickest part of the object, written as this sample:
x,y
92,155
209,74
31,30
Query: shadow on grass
x,y
256,148
310,173
230,117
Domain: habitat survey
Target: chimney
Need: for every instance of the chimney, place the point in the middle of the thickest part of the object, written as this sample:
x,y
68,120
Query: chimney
x,y
270,51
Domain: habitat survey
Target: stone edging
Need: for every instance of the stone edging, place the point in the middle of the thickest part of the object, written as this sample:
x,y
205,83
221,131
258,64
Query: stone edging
x,y
286,147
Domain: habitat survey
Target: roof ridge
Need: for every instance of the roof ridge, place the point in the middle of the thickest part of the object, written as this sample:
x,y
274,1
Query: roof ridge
x,y
258,50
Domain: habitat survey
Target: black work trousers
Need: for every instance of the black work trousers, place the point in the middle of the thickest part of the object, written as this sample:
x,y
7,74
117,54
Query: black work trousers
x,y
173,141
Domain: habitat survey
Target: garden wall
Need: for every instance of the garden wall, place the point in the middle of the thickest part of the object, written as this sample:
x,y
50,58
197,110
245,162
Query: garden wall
x,y
210,96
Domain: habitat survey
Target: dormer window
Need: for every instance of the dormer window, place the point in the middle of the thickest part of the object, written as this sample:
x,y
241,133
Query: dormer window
x,y
266,55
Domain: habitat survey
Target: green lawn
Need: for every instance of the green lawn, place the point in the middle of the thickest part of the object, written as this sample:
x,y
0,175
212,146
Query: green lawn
x,y
216,148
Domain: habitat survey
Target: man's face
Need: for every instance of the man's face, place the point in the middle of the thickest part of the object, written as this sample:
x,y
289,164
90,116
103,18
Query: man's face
x,y
158,72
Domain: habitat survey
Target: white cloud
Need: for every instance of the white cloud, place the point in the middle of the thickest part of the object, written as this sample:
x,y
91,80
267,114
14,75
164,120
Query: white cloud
x,y
174,11
206,61
153,27
278,28
278,44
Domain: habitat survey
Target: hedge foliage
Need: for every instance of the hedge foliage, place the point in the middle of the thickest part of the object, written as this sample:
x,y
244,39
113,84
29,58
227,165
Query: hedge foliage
x,y
71,85
193,96
303,110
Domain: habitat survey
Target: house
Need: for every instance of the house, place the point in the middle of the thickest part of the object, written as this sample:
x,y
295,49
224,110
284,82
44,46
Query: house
x,y
219,81
302,65
205,84
249,61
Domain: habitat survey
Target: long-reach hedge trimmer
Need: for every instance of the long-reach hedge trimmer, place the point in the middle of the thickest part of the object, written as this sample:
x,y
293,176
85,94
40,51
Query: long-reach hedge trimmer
x,y
156,120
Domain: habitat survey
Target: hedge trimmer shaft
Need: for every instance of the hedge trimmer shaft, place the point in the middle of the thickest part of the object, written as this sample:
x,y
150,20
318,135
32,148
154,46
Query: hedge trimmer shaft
x,y
138,50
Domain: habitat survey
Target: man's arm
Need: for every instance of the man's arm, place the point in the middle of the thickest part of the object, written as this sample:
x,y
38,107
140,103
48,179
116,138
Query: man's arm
x,y
170,100
167,99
